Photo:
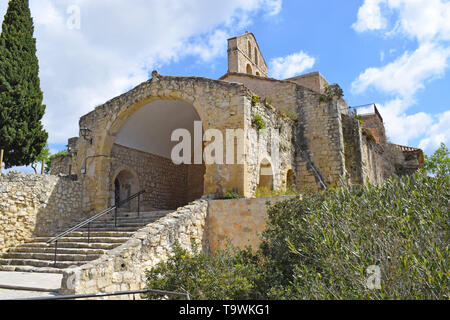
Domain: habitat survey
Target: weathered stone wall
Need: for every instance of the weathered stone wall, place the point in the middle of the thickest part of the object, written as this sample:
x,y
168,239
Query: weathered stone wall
x,y
123,268
259,146
314,81
239,220
61,165
319,141
36,205
282,94
352,149
165,183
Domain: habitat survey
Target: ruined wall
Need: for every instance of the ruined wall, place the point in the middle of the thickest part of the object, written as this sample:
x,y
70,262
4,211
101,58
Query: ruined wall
x,y
282,94
239,220
319,141
259,147
123,268
36,205
352,149
314,81
61,165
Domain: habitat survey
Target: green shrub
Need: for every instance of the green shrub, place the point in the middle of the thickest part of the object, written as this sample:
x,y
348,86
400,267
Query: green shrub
x,y
258,122
322,246
232,194
228,275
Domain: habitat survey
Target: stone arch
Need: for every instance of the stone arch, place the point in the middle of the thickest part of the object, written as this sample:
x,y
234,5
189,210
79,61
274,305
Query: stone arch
x,y
206,97
266,177
249,50
249,69
256,56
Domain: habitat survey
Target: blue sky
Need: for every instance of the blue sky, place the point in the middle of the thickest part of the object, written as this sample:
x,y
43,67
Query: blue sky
x,y
395,53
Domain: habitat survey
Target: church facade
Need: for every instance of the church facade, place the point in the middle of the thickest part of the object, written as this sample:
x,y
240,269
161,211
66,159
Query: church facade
x,y
238,133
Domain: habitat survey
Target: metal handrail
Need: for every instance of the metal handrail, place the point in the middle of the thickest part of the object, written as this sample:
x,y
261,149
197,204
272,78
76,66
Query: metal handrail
x,y
95,217
108,294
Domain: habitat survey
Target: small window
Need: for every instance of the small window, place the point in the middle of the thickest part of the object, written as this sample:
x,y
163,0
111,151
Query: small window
x,y
257,73
256,56
249,50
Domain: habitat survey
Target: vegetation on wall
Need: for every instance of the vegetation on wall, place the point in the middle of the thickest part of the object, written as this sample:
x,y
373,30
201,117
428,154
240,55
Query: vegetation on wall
x,y
327,245
333,91
258,122
21,132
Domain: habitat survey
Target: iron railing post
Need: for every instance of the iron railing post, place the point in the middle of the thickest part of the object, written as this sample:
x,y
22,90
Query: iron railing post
x,y
115,217
139,204
56,248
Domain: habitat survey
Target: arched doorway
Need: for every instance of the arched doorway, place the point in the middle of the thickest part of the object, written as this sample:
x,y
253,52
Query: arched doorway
x,y
144,144
126,184
290,180
265,176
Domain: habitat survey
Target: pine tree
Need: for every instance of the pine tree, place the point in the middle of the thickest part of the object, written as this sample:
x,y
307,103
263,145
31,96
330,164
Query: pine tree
x,y
22,135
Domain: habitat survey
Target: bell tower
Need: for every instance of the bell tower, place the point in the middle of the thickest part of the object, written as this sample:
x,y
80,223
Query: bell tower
x,y
244,56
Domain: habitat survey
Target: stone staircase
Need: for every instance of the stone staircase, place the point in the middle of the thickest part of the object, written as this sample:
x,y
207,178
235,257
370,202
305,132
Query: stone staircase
x,y
75,249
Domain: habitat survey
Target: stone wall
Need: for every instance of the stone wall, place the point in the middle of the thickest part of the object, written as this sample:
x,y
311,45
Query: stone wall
x,y
123,268
239,220
165,183
259,146
36,205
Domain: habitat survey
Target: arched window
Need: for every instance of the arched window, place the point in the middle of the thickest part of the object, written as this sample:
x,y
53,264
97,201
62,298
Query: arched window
x,y
265,176
256,56
249,50
257,73
249,69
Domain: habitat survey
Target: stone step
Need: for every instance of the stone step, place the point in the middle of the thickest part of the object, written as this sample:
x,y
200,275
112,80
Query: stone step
x,y
60,250
73,245
41,263
119,228
82,239
127,220
94,233
50,256
16,268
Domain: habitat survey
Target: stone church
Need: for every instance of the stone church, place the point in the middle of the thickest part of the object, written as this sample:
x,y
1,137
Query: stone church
x,y
126,144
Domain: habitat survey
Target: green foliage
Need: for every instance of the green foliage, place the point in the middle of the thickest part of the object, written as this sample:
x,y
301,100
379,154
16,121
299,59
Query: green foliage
x,y
258,122
333,91
264,192
255,100
321,247
48,160
228,275
439,162
21,132
44,155
231,194
290,112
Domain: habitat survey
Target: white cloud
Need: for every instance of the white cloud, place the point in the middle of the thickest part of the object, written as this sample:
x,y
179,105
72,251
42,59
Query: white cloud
x,y
369,17
408,73
428,23
119,42
291,65
437,133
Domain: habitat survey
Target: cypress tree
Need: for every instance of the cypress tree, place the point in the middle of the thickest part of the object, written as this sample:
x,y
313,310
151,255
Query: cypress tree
x,y
22,135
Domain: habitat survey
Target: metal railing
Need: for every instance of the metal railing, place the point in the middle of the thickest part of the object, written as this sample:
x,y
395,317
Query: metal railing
x,y
95,217
109,294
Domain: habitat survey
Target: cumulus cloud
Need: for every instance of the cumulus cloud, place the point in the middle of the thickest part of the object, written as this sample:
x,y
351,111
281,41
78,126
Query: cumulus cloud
x,y
291,65
119,42
428,23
